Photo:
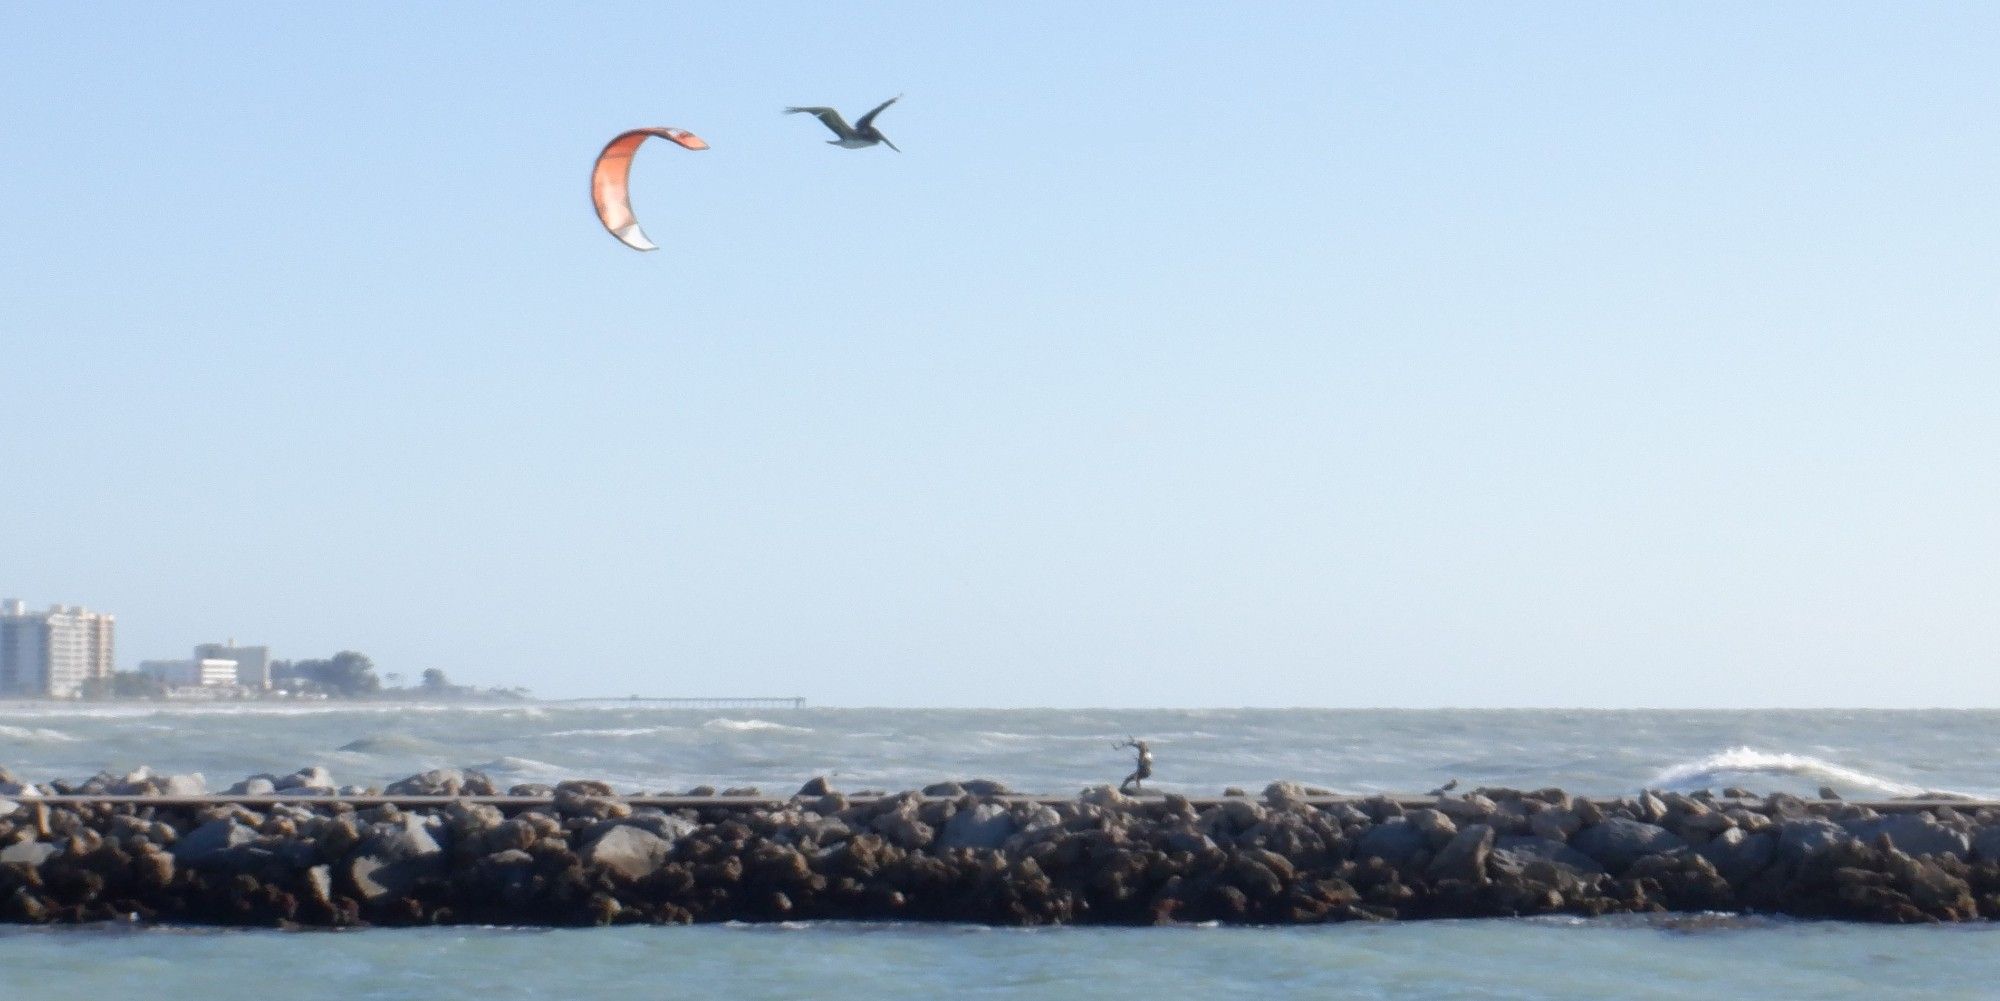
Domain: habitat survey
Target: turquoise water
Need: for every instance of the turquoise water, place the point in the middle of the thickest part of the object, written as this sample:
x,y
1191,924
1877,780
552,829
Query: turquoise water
x,y
1859,753
1451,959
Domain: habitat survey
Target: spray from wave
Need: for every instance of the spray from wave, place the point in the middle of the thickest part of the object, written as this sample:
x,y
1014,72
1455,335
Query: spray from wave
x,y
746,725
1751,768
34,733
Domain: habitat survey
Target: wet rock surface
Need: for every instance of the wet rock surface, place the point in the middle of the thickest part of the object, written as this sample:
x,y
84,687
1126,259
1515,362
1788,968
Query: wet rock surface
x,y
967,851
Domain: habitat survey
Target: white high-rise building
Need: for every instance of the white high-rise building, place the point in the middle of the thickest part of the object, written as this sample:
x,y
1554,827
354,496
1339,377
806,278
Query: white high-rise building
x,y
53,654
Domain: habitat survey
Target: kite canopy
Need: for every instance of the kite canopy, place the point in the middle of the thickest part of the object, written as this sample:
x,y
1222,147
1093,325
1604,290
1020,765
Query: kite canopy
x,y
608,182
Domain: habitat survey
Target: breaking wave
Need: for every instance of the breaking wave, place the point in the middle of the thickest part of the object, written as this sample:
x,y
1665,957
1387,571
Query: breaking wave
x,y
390,743
1744,766
623,731
746,725
36,733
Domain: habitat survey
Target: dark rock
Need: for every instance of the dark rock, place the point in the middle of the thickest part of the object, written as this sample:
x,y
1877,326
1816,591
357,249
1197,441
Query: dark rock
x,y
1513,854
1986,844
1617,843
985,787
948,789
815,787
1394,841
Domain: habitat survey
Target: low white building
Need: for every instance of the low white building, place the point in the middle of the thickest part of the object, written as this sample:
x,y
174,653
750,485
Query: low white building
x,y
202,673
253,663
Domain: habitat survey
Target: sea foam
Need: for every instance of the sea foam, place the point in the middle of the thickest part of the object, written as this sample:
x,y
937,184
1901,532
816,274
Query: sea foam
x,y
1741,766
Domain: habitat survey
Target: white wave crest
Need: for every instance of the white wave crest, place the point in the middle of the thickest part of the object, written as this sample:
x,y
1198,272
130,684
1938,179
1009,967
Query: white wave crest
x,y
389,743
746,725
1740,765
510,765
625,731
35,733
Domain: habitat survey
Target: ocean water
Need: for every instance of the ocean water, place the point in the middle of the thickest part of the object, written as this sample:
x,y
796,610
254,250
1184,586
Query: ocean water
x,y
1860,753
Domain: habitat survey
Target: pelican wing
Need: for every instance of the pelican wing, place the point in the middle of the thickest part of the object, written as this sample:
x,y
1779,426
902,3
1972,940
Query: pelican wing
x,y
869,118
827,117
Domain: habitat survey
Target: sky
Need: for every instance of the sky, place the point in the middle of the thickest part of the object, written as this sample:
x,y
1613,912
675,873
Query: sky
x,y
1188,354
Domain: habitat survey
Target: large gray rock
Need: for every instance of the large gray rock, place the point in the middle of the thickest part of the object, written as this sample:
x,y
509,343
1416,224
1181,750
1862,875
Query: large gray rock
x,y
1617,842
192,784
255,785
1512,854
666,826
628,851
1393,841
904,830
1284,794
1913,834
436,782
314,779
987,825
1465,856
28,853
1801,837
1739,855
1986,844
374,878
395,855
410,837
218,844
1555,824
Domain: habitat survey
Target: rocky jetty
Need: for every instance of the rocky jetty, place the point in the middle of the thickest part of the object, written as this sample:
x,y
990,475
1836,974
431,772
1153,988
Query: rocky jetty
x,y
298,850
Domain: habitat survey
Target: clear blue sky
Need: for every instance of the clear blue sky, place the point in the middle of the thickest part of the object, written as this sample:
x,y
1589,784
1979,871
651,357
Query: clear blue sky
x,y
1216,354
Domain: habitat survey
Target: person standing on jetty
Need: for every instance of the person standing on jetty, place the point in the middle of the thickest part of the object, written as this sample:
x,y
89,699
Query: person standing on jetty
x,y
1137,780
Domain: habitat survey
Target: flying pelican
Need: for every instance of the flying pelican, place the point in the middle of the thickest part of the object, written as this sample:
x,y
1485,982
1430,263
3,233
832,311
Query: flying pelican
x,y
861,133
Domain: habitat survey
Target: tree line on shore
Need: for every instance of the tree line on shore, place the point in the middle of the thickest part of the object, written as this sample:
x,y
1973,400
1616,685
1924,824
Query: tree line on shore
x,y
345,675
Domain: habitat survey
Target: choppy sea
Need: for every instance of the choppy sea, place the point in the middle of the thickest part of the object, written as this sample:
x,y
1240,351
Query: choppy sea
x,y
1860,753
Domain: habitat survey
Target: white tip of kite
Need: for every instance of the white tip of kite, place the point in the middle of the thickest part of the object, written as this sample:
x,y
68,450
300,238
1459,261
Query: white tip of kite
x,y
633,237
